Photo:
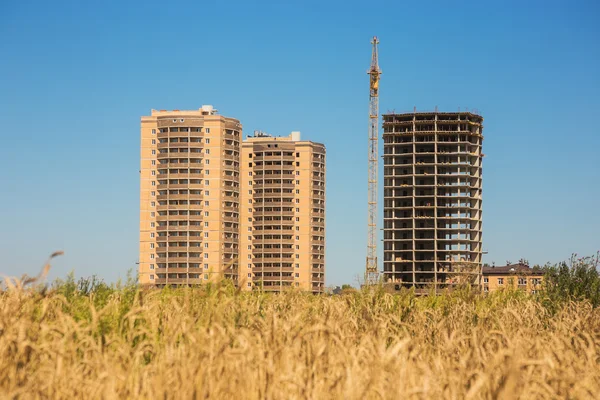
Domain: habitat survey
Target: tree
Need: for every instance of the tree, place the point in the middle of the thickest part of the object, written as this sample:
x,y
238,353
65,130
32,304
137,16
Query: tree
x,y
576,280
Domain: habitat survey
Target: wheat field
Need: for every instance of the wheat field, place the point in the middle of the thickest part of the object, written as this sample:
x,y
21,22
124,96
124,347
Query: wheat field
x,y
217,342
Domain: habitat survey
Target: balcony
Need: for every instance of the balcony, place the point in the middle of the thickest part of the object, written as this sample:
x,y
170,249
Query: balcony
x,y
274,278
273,260
272,269
258,185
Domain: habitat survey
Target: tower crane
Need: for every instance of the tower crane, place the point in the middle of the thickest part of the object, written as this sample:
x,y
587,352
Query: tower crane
x,y
372,271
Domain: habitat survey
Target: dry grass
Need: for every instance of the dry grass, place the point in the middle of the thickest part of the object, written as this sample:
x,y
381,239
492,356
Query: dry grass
x,y
219,343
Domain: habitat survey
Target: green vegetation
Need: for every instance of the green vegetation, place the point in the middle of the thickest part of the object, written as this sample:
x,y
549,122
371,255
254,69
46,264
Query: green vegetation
x,y
577,280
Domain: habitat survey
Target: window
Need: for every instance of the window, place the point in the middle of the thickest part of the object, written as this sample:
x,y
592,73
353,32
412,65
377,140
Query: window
x,y
151,245
207,172
297,201
297,228
297,284
151,277
249,257
151,234
297,172
297,237
152,204
249,228
486,280
206,224
153,141
249,191
153,152
297,275
151,266
249,275
153,193
297,219
152,214
297,247
153,172
152,256
154,131
206,213
207,140
207,193
207,151
297,154
297,209
297,191
206,182
205,234
250,173
486,289
249,247
207,161
153,183
151,224
205,277
153,162
206,202
206,245
297,255
500,281
207,130
297,265
249,201
297,182
205,255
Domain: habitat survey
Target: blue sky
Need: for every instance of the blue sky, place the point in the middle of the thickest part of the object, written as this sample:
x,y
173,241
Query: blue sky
x,y
75,77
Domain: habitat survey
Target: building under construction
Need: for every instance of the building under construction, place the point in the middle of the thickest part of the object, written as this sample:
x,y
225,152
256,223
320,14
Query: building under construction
x,y
432,199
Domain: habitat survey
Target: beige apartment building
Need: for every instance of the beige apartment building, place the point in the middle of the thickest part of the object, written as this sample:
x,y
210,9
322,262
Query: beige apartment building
x,y
282,210
514,276
432,199
189,197
198,224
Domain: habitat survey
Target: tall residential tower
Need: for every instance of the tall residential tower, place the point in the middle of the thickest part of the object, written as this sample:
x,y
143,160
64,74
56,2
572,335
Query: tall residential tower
x,y
189,196
282,209
432,199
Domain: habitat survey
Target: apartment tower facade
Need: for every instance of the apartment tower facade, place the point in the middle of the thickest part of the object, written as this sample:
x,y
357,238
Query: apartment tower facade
x,y
282,224
189,197
432,199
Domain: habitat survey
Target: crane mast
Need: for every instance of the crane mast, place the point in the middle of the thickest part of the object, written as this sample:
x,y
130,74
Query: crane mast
x,y
372,272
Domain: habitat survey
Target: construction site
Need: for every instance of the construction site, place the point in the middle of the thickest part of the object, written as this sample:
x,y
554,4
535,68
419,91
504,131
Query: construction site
x,y
432,199
432,196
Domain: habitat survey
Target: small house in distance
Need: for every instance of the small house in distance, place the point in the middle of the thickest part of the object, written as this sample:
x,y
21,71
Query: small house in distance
x,y
519,276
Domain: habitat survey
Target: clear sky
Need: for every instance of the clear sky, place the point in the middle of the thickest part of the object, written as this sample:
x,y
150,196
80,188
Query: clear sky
x,y
76,76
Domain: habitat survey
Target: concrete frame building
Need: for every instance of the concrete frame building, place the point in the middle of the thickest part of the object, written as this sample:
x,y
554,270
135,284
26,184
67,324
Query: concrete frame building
x,y
282,225
189,196
432,199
